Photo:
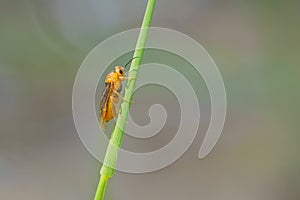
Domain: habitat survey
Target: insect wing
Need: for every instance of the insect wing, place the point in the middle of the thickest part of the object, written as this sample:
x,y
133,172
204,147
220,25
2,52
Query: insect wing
x,y
103,103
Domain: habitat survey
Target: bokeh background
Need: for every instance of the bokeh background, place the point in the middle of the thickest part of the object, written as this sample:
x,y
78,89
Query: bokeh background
x,y
256,47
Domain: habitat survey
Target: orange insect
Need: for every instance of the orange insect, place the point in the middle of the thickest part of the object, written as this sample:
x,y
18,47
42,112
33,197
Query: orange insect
x,y
111,94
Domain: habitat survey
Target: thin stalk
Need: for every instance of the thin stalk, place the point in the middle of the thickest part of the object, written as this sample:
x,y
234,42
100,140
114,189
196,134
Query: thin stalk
x,y
101,188
108,166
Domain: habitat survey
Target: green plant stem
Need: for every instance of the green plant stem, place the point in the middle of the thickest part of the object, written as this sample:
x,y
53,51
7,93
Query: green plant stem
x,y
101,188
108,166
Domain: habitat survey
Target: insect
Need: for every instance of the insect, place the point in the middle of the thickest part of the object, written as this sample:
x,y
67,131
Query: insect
x,y
111,94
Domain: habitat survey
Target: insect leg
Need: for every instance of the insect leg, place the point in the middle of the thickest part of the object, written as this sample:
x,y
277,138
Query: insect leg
x,y
116,110
117,93
128,78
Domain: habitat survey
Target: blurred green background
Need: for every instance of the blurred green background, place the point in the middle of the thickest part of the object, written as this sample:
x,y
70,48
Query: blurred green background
x,y
256,47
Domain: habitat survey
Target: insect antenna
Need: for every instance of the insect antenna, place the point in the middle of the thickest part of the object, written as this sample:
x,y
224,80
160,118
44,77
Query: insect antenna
x,y
130,61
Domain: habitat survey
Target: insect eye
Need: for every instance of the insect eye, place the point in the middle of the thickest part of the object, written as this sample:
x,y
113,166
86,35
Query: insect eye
x,y
120,71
